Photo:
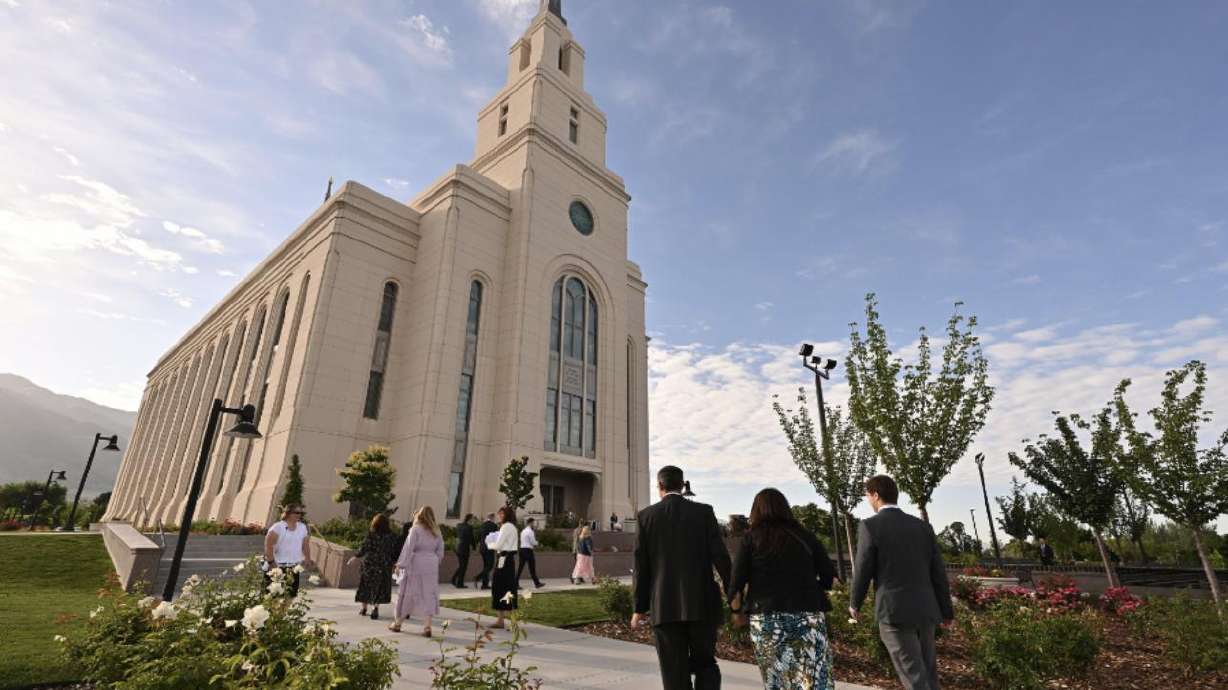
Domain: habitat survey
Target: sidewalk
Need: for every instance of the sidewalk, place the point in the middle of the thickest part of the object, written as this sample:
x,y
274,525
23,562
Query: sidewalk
x,y
564,658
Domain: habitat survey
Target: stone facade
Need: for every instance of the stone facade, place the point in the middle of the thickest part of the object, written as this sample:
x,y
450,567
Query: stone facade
x,y
489,325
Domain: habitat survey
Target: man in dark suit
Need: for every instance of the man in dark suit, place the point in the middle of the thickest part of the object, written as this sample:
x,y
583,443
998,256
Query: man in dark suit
x,y
900,554
1046,553
677,546
465,542
488,557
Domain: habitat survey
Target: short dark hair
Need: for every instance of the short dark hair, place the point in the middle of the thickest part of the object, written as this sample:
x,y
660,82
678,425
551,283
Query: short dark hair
x,y
670,478
884,486
529,521
468,517
508,513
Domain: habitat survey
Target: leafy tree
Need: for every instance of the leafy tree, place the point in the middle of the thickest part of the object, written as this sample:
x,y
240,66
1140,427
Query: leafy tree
x,y
1066,536
1083,485
1014,516
955,540
919,422
293,493
516,484
1131,518
368,478
94,510
24,495
1187,485
817,520
839,474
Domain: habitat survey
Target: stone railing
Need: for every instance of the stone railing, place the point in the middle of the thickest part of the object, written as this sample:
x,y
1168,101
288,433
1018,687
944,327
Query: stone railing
x,y
135,556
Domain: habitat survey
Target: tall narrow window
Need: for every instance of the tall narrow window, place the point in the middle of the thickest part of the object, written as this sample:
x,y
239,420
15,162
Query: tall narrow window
x,y
379,357
279,319
503,119
573,127
223,394
248,395
565,59
571,382
464,400
290,342
630,412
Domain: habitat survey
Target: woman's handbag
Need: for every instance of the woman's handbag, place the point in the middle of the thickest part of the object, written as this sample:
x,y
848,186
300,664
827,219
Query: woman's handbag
x,y
738,619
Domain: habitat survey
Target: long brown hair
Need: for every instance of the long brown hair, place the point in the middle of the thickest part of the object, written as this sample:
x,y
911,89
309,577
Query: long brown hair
x,y
379,524
771,518
426,517
508,514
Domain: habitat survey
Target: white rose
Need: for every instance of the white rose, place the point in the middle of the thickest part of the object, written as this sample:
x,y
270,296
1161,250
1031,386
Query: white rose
x,y
239,567
314,579
95,612
507,598
276,588
248,665
192,581
298,569
60,638
147,602
528,595
231,623
277,574
255,617
165,610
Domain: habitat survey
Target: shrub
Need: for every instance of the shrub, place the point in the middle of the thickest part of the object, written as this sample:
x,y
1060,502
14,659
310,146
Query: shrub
x,y
470,671
563,520
616,599
1047,583
221,633
10,525
979,570
553,540
1119,601
862,634
1021,648
965,588
1193,635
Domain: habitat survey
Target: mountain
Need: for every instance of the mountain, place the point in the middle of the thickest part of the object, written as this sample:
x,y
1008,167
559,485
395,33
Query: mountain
x,y
41,430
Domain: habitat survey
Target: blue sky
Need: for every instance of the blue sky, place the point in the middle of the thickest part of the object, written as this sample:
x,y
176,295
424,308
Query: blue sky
x,y
1058,168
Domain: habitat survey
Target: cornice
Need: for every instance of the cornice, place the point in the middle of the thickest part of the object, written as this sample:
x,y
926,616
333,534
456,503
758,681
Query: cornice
x,y
531,133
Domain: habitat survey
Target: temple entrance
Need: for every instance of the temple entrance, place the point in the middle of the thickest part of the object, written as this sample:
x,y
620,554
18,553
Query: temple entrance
x,y
567,491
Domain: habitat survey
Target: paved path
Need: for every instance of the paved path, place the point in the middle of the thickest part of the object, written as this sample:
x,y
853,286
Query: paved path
x,y
564,658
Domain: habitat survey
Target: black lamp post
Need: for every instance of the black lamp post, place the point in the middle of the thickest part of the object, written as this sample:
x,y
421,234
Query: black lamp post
x,y
822,370
993,533
112,445
246,428
976,533
52,476
686,490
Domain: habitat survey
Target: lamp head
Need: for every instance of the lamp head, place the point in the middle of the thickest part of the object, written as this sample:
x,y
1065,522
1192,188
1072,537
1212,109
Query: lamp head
x,y
807,350
686,489
58,476
246,428
979,458
112,443
831,364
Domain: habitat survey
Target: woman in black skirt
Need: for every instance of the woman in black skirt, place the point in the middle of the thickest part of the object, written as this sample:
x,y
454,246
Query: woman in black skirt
x,y
378,552
504,544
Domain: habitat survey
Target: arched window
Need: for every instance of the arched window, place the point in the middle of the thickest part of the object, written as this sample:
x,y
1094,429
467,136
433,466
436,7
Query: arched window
x,y
379,357
571,382
279,320
290,342
464,400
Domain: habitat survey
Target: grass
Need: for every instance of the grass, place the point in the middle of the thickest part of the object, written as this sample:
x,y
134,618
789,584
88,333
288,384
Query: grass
x,y
555,609
44,578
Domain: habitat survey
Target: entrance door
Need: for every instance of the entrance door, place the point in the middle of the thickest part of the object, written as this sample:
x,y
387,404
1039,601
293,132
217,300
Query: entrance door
x,y
552,499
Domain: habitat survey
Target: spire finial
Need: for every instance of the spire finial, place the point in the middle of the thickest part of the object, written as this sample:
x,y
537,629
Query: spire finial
x,y
554,7
328,193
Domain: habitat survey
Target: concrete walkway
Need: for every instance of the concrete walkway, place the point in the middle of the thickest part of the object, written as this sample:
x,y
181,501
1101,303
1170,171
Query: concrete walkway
x,y
564,658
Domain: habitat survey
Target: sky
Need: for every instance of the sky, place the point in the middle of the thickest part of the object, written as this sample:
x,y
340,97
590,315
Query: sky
x,y
1058,168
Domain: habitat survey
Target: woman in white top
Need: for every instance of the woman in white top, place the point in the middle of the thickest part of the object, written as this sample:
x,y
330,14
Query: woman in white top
x,y
287,545
504,544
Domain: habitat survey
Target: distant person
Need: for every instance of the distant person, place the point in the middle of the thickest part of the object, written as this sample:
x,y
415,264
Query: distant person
x,y
677,547
528,542
900,554
575,538
787,573
504,585
465,543
378,555
418,594
584,559
1047,556
487,528
286,546
613,521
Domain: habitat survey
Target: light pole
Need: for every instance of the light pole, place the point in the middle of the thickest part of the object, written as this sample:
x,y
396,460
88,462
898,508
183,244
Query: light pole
x,y
822,370
245,428
976,533
686,490
993,533
52,476
113,445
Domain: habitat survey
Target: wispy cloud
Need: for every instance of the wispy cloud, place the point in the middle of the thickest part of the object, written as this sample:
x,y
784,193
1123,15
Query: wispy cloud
x,y
425,42
177,297
857,153
344,73
200,241
73,160
1030,279
511,16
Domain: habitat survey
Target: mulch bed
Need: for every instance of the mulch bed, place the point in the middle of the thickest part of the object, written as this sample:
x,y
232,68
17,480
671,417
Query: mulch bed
x,y
1125,662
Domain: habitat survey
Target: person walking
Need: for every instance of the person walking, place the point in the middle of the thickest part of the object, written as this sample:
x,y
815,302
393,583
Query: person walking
x,y
418,594
488,528
786,574
900,555
287,548
677,546
378,554
465,543
584,558
613,521
528,542
505,582
1047,557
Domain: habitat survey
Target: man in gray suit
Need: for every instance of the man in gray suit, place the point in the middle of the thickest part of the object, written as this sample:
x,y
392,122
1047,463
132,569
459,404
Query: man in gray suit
x,y
900,555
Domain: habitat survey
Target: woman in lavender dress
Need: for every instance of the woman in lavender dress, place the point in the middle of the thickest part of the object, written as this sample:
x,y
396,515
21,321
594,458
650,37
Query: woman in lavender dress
x,y
419,568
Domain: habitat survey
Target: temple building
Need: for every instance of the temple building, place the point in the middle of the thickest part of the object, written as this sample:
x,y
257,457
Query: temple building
x,y
495,315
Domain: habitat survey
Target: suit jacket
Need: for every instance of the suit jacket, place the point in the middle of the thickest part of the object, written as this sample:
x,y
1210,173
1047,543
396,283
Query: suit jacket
x,y
464,537
488,527
677,546
899,553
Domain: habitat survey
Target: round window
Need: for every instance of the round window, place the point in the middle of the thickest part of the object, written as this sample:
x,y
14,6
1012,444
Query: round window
x,y
581,217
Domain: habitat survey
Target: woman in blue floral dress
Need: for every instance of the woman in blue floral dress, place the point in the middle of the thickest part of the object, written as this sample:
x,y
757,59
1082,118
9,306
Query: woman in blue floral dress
x,y
780,578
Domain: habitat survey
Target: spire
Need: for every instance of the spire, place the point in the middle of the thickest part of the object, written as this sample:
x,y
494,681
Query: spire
x,y
554,7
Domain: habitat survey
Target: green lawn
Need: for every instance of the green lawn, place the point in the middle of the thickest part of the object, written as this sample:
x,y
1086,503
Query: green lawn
x,y
43,577
556,609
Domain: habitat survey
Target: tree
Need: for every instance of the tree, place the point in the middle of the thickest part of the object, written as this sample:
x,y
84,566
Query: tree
x,y
24,495
955,540
1014,517
516,484
1131,518
918,422
1082,485
838,475
293,493
1187,485
368,481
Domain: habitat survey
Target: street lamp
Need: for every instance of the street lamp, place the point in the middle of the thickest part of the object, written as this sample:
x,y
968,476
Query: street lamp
x,y
976,533
52,476
993,533
822,370
245,428
686,490
112,445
